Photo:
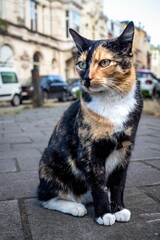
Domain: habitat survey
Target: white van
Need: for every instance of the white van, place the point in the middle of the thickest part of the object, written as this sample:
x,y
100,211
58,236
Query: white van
x,y
10,88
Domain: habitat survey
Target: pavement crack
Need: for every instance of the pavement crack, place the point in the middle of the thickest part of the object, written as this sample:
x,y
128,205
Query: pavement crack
x,y
150,164
150,195
24,220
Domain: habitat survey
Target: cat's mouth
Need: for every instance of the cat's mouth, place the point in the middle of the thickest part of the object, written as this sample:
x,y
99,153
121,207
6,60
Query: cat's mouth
x,y
93,86
96,89
93,89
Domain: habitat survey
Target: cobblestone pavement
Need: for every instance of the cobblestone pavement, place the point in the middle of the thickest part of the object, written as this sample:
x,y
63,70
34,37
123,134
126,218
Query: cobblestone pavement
x,y
24,136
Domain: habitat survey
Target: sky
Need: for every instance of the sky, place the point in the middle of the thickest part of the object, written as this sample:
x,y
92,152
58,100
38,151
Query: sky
x,y
144,12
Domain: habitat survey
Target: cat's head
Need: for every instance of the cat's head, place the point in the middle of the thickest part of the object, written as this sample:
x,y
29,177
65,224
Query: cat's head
x,y
106,65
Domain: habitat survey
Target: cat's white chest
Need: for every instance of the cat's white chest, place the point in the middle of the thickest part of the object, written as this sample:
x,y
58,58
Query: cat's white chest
x,y
117,110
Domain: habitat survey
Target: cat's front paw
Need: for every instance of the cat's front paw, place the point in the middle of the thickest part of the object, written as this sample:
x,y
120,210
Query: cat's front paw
x,y
78,211
108,219
123,216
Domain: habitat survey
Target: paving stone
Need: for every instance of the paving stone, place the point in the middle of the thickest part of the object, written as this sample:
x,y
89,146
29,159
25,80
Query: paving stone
x,y
153,191
153,146
30,146
5,148
10,221
140,174
18,185
24,152
139,202
155,163
24,137
145,153
28,164
64,227
7,165
15,140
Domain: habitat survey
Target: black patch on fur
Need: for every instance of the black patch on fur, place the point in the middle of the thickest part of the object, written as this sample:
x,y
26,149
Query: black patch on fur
x,y
86,96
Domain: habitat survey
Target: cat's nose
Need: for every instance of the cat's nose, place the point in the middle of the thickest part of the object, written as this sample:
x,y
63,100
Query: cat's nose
x,y
87,79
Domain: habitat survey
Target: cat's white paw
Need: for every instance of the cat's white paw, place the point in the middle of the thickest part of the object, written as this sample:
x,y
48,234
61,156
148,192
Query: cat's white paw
x,y
108,219
123,215
73,208
78,211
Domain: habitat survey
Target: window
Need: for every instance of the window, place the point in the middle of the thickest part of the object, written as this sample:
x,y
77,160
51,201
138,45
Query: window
x,y
112,26
67,27
67,13
9,77
76,20
67,23
6,56
1,9
33,15
21,12
73,20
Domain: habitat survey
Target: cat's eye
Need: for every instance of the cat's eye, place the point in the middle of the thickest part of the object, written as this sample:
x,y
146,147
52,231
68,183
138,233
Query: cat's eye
x,y
81,65
105,63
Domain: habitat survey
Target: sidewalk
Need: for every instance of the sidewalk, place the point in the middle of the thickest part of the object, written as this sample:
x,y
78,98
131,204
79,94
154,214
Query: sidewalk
x,y
23,138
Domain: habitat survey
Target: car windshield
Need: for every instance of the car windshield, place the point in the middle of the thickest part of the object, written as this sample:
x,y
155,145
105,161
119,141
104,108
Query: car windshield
x,y
143,75
9,77
52,78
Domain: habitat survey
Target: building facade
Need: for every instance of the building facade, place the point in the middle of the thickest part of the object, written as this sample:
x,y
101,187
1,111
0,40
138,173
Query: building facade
x,y
155,60
141,48
114,28
93,21
35,32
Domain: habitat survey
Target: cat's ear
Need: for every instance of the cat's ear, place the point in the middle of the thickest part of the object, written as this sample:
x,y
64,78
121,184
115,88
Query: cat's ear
x,y
128,33
81,42
126,38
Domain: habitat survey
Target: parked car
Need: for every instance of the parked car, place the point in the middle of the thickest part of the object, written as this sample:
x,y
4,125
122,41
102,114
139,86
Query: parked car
x,y
10,88
53,86
148,82
157,89
27,91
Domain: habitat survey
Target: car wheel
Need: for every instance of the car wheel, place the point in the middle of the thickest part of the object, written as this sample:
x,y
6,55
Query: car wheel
x,y
155,94
16,100
64,97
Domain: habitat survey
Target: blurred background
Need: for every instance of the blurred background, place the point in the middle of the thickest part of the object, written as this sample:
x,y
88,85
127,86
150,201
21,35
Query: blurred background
x,y
34,34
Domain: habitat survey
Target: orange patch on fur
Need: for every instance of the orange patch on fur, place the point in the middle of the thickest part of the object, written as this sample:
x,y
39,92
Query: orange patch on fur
x,y
83,57
124,81
100,127
99,54
113,76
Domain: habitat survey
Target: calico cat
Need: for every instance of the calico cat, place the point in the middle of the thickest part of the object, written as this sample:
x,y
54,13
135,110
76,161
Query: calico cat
x,y
89,151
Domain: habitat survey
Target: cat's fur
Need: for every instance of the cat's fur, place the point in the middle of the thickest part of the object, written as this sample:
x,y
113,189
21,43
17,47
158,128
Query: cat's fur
x,y
88,153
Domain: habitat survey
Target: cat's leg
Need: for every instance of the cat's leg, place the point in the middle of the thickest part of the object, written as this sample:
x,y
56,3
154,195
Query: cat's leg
x,y
96,180
65,206
116,183
93,167
103,215
51,197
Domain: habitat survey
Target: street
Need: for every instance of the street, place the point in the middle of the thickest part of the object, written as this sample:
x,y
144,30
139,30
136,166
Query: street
x,y
23,137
